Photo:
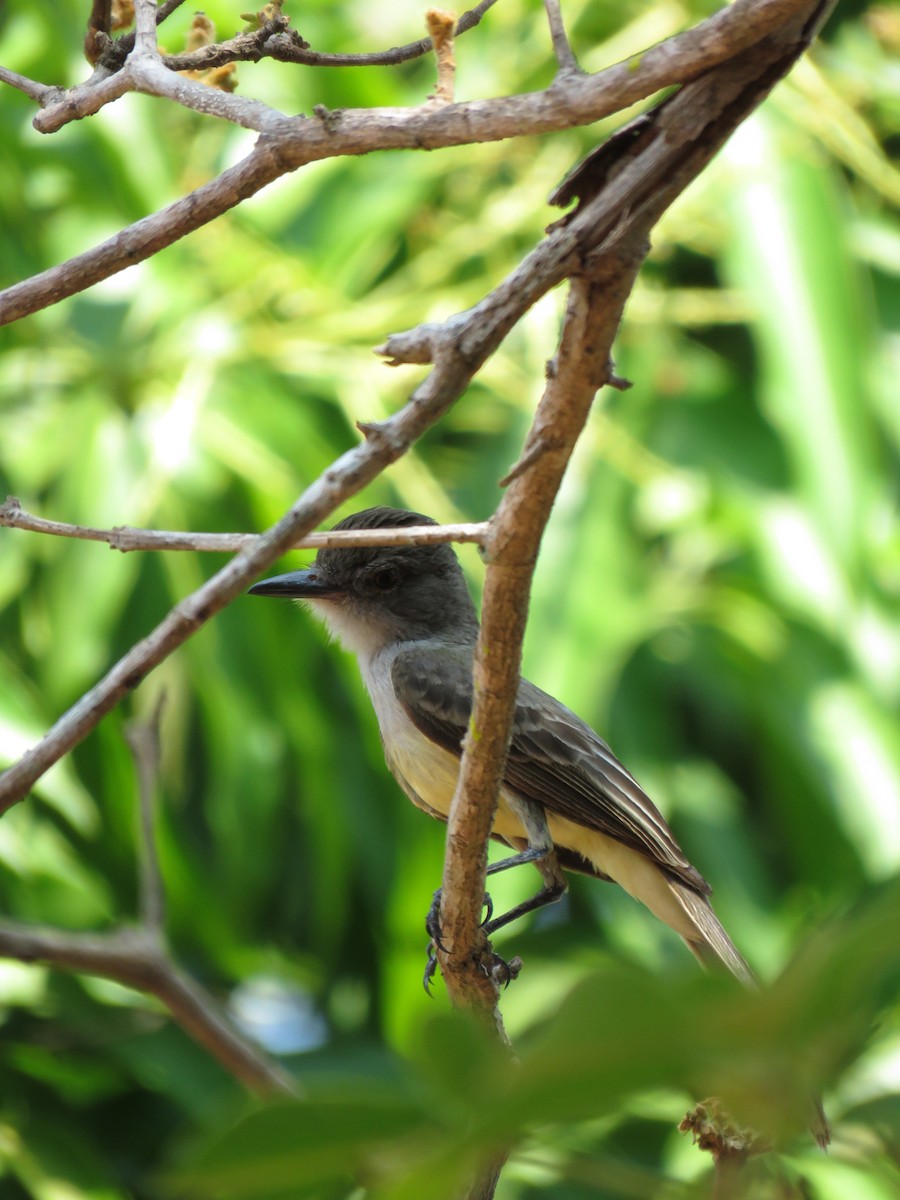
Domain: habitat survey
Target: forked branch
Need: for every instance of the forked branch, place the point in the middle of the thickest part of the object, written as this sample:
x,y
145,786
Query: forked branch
x,y
292,142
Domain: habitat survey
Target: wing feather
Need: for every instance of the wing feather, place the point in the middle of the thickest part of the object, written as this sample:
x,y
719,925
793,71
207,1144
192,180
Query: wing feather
x,y
555,759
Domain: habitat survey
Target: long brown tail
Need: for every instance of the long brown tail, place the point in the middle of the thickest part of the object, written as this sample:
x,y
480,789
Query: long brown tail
x,y
713,946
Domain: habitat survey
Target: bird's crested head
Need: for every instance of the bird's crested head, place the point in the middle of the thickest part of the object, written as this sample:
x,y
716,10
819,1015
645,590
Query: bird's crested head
x,y
373,596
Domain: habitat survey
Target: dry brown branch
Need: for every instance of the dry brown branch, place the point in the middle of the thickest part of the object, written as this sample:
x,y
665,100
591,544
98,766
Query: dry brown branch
x,y
126,538
581,366
146,72
97,36
145,29
290,143
276,40
137,958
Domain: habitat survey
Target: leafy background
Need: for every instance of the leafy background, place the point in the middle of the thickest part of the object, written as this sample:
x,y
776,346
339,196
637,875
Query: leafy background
x,y
718,593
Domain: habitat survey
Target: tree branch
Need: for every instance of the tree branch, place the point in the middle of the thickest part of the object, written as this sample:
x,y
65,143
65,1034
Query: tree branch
x,y
582,364
145,12
126,538
144,71
290,143
458,350
41,93
136,958
277,40
684,133
568,64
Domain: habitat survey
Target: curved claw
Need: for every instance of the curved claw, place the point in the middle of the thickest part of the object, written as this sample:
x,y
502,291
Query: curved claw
x,y
433,922
504,972
430,968
433,929
498,967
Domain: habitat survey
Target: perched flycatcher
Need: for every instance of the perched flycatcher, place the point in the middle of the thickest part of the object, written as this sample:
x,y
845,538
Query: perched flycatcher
x,y
566,800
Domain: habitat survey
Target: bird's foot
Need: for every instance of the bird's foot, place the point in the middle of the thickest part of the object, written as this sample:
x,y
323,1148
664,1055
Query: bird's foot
x,y
495,967
430,968
501,971
433,929
433,925
433,919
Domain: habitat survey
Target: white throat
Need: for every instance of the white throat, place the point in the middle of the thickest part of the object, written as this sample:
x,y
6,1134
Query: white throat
x,y
362,638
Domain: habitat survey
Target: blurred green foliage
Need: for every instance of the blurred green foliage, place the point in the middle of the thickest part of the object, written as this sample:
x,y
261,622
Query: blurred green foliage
x,y
718,593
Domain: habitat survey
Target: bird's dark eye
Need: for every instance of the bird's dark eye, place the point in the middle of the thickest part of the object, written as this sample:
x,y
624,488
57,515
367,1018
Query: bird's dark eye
x,y
385,579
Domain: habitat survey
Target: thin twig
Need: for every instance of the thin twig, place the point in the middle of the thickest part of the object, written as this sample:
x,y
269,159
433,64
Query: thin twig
x,y
293,49
126,538
143,740
166,9
568,64
41,93
136,958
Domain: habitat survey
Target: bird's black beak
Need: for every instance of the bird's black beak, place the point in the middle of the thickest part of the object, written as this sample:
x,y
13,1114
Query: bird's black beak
x,y
298,585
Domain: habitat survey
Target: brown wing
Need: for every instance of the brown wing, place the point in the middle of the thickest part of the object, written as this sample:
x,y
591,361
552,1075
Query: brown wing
x,y
555,759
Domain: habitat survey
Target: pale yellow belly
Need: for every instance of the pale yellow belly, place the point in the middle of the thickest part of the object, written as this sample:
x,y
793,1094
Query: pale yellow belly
x,y
428,775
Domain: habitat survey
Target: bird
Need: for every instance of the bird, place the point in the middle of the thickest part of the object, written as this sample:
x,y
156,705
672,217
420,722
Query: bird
x,y
566,802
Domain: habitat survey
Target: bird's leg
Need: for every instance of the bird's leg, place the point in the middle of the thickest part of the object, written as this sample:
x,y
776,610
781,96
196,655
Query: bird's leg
x,y
540,851
555,886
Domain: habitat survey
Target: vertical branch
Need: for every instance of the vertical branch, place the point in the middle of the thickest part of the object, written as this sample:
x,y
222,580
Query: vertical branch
x,y
581,366
568,64
97,36
145,17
